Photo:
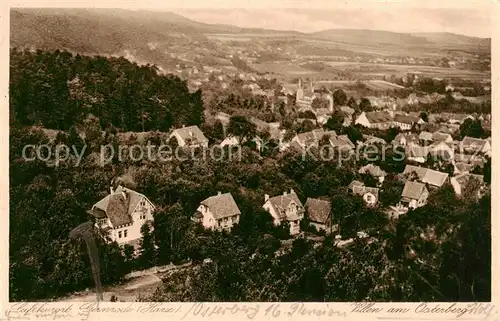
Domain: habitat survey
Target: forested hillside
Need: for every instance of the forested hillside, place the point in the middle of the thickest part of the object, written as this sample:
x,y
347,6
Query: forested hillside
x,y
56,90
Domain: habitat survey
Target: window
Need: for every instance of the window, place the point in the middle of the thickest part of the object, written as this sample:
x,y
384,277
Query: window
x,y
120,234
125,233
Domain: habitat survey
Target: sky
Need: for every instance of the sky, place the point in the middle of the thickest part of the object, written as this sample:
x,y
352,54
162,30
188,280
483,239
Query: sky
x,y
472,22
467,17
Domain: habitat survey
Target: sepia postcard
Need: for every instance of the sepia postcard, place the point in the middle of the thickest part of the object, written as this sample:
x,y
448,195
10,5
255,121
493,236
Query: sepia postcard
x,y
257,160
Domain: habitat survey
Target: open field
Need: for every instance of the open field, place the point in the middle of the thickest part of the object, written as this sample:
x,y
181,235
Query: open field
x,y
400,70
353,70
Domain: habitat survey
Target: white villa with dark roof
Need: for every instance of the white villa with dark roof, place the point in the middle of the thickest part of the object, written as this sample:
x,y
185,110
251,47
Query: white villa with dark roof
x,y
122,214
286,207
190,136
218,212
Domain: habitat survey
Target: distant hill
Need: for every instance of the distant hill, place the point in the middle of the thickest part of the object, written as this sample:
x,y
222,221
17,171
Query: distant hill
x,y
371,37
115,31
453,39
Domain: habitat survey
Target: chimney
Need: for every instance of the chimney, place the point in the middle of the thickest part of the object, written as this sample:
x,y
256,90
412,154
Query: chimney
x,y
300,82
285,193
219,193
111,190
292,191
124,194
183,125
266,197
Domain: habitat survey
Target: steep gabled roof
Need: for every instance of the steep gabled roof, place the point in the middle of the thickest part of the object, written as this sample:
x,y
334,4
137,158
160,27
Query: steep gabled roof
x,y
475,143
318,210
192,133
426,175
118,206
378,117
413,190
435,178
282,202
222,205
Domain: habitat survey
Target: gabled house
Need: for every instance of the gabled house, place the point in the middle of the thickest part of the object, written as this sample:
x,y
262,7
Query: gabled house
x,y
375,119
374,171
218,212
414,195
461,167
286,207
475,145
444,150
426,175
319,213
311,138
190,136
122,213
406,122
369,194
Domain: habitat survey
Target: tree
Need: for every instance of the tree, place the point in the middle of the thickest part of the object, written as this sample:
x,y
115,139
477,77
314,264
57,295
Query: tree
x,y
240,127
308,114
391,133
335,122
472,128
147,257
353,134
365,105
391,190
306,126
340,97
352,103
